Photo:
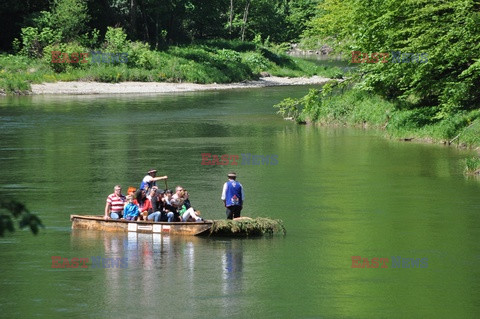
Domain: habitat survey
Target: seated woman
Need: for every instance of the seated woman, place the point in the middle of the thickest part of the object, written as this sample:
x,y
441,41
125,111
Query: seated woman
x,y
158,205
143,204
131,211
186,211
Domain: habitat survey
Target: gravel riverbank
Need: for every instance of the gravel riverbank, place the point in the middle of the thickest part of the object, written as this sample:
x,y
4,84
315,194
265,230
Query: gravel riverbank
x,y
77,87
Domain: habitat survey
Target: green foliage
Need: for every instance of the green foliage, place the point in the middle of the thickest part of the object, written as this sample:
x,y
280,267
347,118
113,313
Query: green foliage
x,y
256,62
305,109
220,61
447,32
235,45
70,17
470,135
140,56
16,73
66,20
472,165
90,39
229,55
160,23
107,73
337,104
247,227
68,48
19,212
34,40
289,108
300,12
116,40
333,24
13,83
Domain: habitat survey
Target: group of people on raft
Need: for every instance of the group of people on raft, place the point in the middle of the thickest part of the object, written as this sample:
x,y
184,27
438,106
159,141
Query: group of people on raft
x,y
154,204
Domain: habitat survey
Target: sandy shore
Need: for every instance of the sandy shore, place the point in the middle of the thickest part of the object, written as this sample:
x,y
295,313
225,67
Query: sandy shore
x,y
162,87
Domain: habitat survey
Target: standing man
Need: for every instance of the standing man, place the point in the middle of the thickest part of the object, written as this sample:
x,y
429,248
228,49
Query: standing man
x,y
115,203
150,180
233,196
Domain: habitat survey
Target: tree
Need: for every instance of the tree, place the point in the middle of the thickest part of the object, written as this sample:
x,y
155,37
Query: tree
x,y
445,33
18,211
70,17
13,16
65,22
245,19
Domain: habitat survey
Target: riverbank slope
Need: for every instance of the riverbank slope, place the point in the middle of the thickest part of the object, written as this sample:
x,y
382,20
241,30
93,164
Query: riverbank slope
x,y
354,107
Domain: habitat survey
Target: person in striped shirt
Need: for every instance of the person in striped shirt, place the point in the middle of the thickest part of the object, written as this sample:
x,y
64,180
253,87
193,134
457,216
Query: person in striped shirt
x,y
115,204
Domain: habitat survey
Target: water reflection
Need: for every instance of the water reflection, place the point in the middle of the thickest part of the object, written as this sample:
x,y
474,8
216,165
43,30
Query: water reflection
x,y
167,268
232,265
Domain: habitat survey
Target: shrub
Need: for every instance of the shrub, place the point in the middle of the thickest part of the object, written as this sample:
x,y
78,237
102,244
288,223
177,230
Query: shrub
x,y
33,40
140,56
256,62
229,55
116,40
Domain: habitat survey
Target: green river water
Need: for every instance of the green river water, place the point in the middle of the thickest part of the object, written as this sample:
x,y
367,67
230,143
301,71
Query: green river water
x,y
341,192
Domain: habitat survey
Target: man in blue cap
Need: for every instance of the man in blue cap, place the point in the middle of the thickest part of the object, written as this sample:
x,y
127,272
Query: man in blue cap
x,y
233,196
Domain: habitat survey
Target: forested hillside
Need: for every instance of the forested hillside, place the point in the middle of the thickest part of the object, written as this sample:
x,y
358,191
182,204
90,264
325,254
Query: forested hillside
x,y
156,22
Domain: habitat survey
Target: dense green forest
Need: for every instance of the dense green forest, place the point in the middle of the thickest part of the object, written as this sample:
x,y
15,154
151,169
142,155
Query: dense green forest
x,y
155,22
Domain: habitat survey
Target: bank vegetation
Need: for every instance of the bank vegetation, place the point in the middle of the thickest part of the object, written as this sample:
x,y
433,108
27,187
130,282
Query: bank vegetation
x,y
436,99
218,41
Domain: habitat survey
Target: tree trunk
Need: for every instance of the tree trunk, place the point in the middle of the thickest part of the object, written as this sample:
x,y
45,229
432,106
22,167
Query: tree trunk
x,y
231,17
245,17
133,17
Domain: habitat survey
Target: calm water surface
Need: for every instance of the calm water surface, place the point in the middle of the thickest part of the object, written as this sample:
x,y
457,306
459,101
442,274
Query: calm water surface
x,y
341,193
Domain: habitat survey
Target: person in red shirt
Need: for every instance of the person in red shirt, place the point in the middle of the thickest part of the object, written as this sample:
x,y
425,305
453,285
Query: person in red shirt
x,y
115,204
143,203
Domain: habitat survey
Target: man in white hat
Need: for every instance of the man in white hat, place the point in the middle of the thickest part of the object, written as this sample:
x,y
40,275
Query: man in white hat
x,y
150,180
233,196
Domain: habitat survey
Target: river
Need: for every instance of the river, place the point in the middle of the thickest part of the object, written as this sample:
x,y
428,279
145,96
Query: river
x,y
341,192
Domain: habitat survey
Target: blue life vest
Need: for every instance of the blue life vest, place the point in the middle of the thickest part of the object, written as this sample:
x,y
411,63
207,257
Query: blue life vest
x,y
233,194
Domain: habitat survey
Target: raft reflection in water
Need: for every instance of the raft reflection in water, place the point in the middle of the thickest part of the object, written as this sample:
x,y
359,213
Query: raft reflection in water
x,y
166,271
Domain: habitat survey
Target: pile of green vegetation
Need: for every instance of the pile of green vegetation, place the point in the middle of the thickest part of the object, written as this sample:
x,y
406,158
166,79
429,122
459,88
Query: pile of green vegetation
x,y
247,227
